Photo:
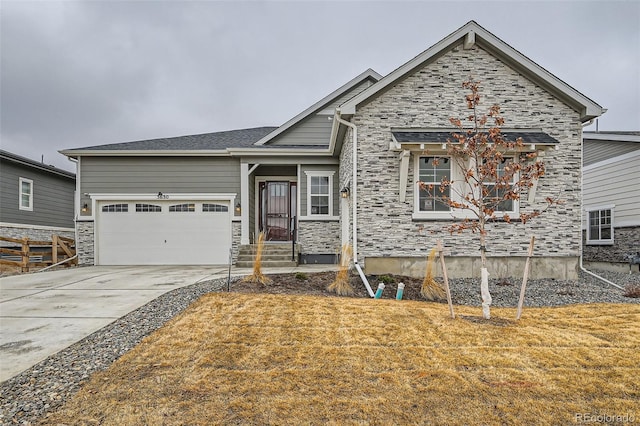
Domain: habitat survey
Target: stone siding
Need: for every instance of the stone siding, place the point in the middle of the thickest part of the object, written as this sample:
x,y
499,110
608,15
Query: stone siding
x,y
427,99
34,233
626,242
85,243
319,237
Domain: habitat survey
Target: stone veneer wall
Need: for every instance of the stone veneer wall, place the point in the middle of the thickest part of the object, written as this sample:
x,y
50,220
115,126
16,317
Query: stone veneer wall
x,y
85,243
34,233
428,98
626,241
319,237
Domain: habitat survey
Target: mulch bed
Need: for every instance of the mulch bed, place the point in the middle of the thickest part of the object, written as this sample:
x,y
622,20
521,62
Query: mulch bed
x,y
315,284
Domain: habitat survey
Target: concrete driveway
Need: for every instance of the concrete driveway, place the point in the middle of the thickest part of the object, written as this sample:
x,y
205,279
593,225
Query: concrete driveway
x,y
43,313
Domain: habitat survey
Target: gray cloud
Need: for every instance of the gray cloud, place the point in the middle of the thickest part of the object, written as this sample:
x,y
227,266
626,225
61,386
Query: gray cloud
x,y
85,73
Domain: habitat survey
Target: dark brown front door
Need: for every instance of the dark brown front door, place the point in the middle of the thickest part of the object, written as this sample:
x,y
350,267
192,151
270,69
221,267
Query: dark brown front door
x,y
277,210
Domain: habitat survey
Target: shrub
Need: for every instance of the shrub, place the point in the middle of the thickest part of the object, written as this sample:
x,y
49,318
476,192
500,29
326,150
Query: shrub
x,y
301,276
341,285
386,279
632,290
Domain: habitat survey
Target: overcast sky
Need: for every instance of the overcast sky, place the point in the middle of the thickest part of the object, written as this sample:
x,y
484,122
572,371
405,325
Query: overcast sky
x,y
81,73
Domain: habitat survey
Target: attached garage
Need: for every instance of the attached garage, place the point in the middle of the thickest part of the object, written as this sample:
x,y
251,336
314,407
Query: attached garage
x,y
163,232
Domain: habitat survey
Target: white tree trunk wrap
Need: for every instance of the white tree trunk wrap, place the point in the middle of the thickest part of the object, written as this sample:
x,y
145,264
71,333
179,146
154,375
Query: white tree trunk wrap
x,y
484,291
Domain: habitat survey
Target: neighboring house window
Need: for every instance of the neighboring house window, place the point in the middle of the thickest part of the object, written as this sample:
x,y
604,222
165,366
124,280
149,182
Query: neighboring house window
x,y
214,208
183,208
431,171
148,208
115,208
320,193
600,226
26,194
505,205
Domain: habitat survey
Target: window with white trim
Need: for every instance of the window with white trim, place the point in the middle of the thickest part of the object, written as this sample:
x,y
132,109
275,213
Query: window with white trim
x,y
148,208
504,206
320,193
187,207
600,226
26,194
214,208
431,172
115,208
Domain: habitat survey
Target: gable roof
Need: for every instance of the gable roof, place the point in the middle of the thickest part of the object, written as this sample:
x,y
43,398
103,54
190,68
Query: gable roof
x,y
469,34
322,103
217,141
18,159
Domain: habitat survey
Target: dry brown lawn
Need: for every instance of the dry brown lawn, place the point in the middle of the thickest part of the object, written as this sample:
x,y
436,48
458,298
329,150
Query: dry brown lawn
x,y
283,359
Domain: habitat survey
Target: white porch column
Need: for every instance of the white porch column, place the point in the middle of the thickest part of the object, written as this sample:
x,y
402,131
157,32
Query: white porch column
x,y
244,203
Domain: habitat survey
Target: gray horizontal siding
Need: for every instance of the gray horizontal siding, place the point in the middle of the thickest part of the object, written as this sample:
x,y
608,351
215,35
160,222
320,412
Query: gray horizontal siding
x,y
597,150
316,129
52,197
303,186
615,184
129,175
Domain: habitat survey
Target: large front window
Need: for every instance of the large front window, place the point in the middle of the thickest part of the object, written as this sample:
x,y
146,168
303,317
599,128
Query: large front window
x,y
600,226
319,195
496,192
432,170
319,188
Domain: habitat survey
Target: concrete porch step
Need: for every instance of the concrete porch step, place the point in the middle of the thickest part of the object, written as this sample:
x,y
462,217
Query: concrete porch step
x,y
267,264
273,255
245,257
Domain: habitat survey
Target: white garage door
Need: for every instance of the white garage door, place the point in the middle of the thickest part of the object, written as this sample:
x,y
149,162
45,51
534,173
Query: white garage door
x,y
163,232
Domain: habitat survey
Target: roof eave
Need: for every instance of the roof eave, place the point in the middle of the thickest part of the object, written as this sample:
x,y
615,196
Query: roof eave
x,y
282,152
613,137
73,153
8,156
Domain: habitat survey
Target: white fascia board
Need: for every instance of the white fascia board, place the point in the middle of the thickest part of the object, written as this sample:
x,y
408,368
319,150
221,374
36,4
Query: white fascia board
x,y
146,153
612,160
588,108
602,136
321,103
277,152
172,196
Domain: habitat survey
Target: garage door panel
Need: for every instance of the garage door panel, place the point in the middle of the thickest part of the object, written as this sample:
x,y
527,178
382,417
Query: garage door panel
x,y
164,237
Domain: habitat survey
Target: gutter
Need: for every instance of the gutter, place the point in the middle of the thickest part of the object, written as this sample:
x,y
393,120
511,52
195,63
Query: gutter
x,y
354,198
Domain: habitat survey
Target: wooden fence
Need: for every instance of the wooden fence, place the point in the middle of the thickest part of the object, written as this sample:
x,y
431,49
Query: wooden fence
x,y
38,254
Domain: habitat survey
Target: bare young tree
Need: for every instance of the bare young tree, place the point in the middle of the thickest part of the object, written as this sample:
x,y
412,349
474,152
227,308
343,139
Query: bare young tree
x,y
495,172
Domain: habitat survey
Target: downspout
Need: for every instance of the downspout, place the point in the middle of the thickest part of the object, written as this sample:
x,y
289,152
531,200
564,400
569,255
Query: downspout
x,y
354,197
582,219
76,199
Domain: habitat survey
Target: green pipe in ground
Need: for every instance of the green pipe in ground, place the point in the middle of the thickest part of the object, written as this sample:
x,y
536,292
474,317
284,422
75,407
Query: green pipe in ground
x,y
400,291
379,291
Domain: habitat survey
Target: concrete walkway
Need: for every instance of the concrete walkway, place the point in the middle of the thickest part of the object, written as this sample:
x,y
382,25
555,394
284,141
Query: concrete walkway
x,y
43,313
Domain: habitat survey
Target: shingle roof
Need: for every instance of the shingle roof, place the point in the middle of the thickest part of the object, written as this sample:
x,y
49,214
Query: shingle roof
x,y
15,158
442,137
244,138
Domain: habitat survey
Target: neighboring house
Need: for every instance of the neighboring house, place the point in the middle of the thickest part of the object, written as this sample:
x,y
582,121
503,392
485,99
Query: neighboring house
x,y
36,200
611,199
192,199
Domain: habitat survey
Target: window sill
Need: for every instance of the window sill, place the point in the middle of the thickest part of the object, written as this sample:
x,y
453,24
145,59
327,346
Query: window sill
x,y
599,242
319,218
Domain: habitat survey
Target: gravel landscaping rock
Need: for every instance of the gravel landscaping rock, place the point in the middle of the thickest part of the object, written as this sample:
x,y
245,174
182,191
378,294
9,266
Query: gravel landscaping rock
x,y
27,397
